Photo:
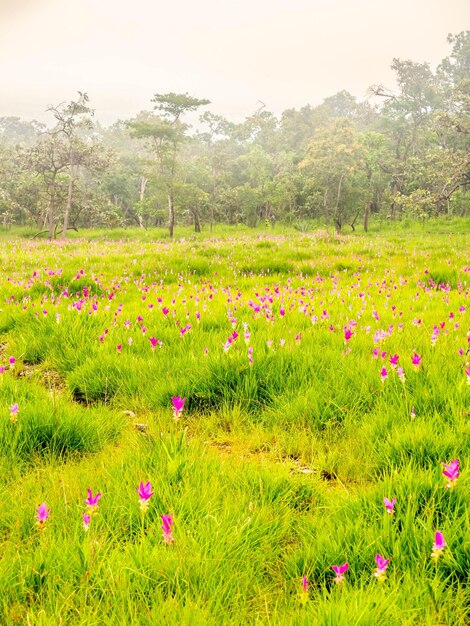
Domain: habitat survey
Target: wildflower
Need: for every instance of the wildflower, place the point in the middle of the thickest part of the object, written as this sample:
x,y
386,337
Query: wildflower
x,y
390,505
394,360
250,355
347,334
167,524
416,360
178,406
438,547
401,374
451,472
42,515
340,571
413,414
380,570
92,502
145,493
165,311
86,521
154,342
119,348
467,372
14,412
304,592
12,362
383,374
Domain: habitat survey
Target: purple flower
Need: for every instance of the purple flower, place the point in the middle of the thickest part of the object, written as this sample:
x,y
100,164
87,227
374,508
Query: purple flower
x,y
92,501
340,571
14,412
389,505
166,527
42,515
438,547
380,570
178,406
451,472
416,360
145,493
86,521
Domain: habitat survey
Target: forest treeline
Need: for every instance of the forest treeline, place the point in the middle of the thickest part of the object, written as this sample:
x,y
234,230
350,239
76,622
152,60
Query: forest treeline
x,y
400,153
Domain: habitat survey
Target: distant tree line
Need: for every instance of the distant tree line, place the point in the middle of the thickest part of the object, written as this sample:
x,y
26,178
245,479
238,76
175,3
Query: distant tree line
x,y
396,154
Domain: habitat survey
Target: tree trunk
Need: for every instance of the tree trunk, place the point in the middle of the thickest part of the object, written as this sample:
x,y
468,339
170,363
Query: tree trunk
x,y
171,215
51,212
366,216
69,197
197,220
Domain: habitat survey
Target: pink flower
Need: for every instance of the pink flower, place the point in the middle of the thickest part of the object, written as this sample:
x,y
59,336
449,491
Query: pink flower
x,y
413,414
451,472
167,524
42,515
305,584
340,571
467,372
86,521
380,570
401,374
390,505
165,311
145,493
14,412
416,360
347,334
438,547
12,361
92,501
383,374
178,406
119,348
394,360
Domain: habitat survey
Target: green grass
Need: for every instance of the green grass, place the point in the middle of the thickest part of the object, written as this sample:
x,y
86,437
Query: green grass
x,y
276,469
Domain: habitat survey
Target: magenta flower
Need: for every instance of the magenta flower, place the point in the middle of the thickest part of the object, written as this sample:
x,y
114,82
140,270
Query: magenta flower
x,y
12,361
340,571
389,505
394,360
416,360
92,502
86,521
347,334
383,374
451,472
380,570
178,406
167,524
438,547
145,493
42,515
467,372
305,584
154,342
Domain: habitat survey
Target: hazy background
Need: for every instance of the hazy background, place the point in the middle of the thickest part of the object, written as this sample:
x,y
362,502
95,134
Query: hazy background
x,y
285,53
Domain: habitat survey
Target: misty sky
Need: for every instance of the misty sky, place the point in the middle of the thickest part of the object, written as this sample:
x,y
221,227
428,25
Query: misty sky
x,y
236,53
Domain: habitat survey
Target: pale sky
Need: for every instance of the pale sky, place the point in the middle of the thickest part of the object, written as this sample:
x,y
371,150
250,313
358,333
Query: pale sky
x,y
285,53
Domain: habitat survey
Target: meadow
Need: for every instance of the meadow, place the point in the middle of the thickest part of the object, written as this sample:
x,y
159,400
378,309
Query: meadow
x,y
293,400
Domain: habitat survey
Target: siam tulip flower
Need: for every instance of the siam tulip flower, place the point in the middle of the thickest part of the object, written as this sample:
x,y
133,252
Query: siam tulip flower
x,y
304,584
165,311
401,374
145,493
467,372
14,412
413,414
451,472
394,360
340,571
86,521
250,355
347,334
178,406
154,342
92,502
438,547
12,362
42,515
167,524
380,570
416,360
390,505
383,374
119,348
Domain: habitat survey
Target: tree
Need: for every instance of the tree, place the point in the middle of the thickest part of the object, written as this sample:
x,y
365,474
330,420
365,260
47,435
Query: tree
x,y
166,134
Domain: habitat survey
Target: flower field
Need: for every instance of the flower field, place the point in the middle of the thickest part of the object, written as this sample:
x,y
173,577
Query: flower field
x,y
258,429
